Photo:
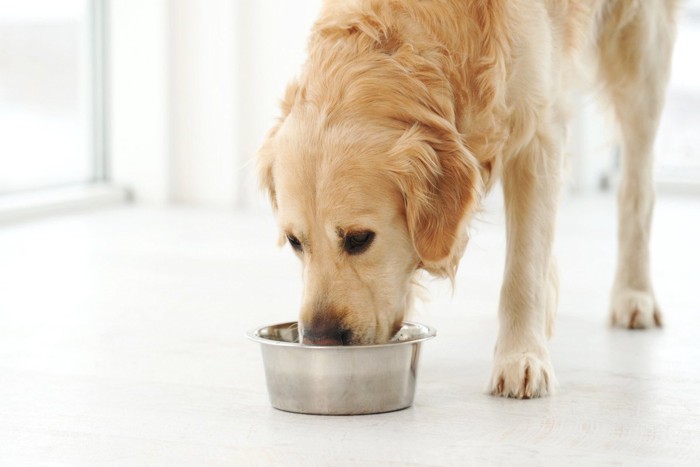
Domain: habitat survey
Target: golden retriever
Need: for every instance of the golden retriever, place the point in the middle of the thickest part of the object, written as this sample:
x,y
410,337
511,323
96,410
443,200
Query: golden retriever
x,y
404,116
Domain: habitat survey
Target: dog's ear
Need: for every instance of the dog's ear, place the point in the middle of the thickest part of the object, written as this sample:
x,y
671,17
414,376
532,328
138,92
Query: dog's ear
x,y
266,157
266,153
440,182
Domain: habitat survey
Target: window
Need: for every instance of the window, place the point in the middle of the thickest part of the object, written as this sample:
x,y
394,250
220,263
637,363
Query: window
x,y
50,73
678,141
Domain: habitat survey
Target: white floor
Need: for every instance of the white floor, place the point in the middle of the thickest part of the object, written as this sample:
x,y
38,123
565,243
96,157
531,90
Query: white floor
x,y
121,343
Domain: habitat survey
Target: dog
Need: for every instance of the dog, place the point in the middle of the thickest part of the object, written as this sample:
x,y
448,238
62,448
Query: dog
x,y
407,112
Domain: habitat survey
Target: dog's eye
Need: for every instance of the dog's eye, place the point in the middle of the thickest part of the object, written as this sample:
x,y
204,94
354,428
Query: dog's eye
x,y
357,243
294,242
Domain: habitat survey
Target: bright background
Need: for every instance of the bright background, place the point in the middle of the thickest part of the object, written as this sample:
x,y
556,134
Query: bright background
x,y
171,99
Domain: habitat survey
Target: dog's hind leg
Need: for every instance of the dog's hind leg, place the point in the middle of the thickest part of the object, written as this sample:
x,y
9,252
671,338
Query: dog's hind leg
x,y
636,42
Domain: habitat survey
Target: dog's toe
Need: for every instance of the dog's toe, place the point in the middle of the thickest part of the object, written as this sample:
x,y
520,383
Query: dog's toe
x,y
522,376
634,309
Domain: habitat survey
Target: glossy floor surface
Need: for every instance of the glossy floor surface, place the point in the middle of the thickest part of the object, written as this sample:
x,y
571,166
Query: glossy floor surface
x,y
121,343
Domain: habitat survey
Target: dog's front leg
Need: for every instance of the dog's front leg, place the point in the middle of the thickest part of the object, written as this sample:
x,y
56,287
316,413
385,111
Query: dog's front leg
x,y
522,366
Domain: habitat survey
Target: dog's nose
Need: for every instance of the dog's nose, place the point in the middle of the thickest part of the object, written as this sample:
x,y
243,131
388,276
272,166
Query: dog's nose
x,y
327,335
309,340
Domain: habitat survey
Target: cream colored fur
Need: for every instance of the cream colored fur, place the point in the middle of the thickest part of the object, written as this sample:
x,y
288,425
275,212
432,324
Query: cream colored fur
x,y
405,115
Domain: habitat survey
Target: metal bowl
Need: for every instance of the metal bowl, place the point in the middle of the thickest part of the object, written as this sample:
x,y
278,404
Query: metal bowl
x,y
340,380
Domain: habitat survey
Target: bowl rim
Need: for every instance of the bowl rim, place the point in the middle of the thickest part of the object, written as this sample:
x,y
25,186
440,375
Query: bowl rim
x,y
254,335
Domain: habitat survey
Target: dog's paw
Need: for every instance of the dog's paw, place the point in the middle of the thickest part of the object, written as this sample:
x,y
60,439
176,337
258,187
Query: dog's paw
x,y
522,376
634,309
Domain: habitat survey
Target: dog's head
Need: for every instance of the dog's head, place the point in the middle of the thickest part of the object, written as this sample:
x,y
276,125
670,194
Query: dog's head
x,y
369,181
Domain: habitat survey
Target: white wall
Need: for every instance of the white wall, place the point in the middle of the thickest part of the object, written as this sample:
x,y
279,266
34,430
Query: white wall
x,y
138,105
194,86
272,37
591,145
203,101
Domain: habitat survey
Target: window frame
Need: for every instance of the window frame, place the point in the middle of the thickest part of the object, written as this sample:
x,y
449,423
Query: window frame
x,y
97,190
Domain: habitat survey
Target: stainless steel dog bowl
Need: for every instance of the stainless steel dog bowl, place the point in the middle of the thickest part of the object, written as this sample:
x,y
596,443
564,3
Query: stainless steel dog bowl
x,y
340,380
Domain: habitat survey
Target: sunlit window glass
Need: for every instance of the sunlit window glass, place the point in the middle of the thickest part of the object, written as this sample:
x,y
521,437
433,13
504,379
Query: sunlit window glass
x,y
45,83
